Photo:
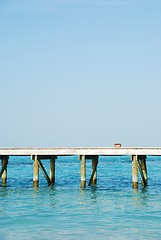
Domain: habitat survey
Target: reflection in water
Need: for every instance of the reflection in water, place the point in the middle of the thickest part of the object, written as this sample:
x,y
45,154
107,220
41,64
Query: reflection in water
x,y
3,191
94,193
140,197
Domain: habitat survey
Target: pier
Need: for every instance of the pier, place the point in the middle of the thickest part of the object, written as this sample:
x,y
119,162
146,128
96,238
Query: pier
x,y
138,159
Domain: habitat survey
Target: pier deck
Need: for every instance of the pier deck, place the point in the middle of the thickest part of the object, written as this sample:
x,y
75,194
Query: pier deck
x,y
138,157
100,151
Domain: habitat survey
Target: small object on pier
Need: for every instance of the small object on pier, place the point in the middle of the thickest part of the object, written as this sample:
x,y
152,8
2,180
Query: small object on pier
x,y
117,145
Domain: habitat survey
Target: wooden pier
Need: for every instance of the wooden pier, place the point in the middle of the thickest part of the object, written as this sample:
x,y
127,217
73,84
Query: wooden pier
x,y
138,158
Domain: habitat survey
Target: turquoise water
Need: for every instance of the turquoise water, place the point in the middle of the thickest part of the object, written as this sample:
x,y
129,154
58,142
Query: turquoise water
x,y
110,210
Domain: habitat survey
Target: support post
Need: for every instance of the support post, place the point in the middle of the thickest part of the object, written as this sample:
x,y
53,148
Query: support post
x,y
143,170
93,179
134,171
83,171
36,172
4,169
52,170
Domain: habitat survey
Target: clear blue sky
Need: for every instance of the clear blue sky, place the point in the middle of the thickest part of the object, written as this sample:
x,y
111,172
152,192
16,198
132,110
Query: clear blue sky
x,y
80,73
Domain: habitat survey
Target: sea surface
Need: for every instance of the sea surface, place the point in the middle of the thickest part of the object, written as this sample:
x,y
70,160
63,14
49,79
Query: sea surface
x,y
111,210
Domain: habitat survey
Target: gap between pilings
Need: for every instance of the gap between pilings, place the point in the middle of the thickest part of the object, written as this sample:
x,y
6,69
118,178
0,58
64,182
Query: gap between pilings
x,y
38,164
93,178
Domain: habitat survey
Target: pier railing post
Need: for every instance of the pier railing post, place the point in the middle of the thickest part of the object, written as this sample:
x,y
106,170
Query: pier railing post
x,y
134,171
83,171
36,172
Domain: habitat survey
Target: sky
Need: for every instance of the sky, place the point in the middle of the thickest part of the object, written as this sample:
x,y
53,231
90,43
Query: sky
x,y
80,73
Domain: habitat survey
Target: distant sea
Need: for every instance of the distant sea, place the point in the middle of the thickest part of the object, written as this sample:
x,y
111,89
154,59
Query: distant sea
x,y
111,210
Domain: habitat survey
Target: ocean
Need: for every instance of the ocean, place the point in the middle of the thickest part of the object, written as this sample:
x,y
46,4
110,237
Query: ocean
x,y
111,210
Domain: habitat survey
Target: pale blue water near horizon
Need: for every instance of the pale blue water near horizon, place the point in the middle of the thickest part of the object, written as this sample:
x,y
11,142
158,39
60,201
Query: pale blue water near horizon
x,y
110,210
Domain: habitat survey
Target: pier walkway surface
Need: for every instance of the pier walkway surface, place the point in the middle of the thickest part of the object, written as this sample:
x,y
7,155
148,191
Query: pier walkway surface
x,y
138,157
100,151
